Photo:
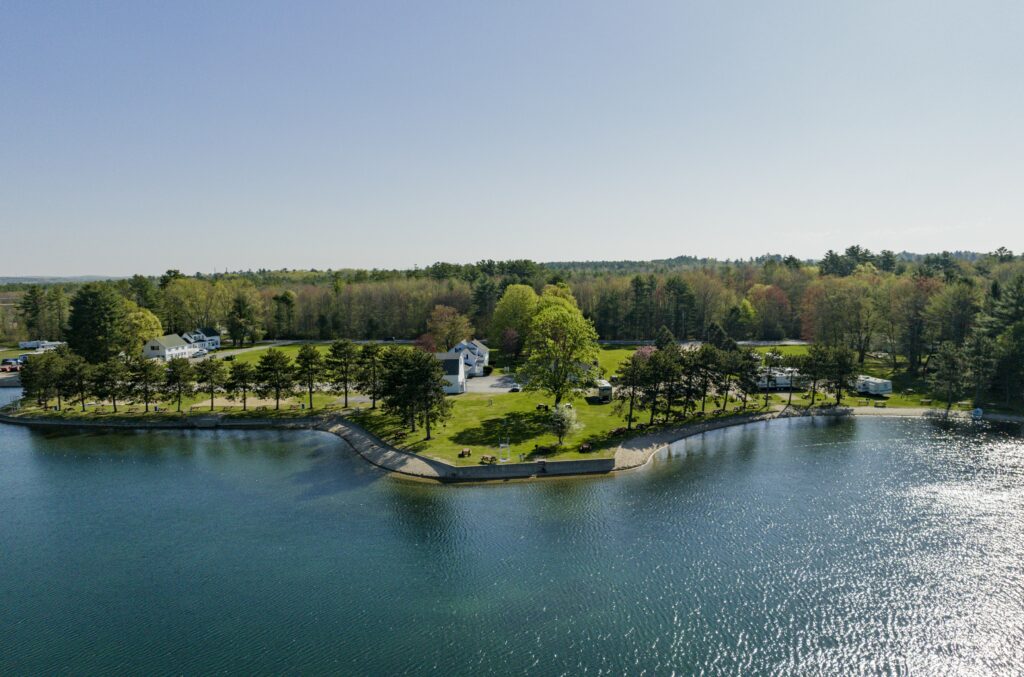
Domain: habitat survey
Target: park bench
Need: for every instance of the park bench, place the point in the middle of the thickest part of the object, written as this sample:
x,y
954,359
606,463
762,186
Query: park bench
x,y
465,453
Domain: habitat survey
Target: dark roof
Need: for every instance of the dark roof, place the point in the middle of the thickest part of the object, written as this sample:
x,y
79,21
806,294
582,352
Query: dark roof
x,y
450,362
209,332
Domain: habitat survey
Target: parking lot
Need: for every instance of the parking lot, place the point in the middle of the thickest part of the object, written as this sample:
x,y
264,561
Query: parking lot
x,y
493,384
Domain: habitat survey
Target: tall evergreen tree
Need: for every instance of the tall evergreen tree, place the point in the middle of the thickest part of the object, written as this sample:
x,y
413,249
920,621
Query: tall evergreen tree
x,y
110,381
370,372
633,375
242,379
97,325
179,380
76,377
949,373
342,362
275,375
211,375
147,377
309,367
413,388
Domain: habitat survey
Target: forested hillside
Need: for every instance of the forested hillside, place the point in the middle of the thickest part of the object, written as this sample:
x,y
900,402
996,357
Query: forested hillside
x,y
901,302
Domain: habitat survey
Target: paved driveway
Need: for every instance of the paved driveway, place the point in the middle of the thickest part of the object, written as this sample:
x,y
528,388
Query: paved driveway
x,y
493,384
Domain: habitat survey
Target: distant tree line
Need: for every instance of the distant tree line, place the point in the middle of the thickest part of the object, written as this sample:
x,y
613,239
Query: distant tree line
x,y
905,306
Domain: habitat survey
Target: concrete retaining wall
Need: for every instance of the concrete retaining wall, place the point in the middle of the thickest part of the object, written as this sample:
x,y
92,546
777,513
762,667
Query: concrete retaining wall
x,y
362,441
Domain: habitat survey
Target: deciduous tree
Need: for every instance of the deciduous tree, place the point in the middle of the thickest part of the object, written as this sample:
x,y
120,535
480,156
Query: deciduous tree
x,y
448,326
561,352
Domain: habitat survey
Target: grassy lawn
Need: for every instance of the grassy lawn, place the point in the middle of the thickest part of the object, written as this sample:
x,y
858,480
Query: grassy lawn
x,y
12,352
610,357
478,421
784,350
291,350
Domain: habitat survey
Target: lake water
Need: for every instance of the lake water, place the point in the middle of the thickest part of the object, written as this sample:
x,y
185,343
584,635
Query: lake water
x,y
796,546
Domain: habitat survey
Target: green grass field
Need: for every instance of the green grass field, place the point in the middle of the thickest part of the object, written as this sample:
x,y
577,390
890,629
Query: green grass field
x,y
478,421
12,352
253,356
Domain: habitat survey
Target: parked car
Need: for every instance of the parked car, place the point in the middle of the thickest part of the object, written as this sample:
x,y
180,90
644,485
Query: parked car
x,y
515,388
201,353
10,364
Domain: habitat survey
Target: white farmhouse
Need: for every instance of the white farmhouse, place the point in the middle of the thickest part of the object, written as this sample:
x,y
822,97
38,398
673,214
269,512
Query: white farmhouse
x,y
454,372
207,338
475,354
167,347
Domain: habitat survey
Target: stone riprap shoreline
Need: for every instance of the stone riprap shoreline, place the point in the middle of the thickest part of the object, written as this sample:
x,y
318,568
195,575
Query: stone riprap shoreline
x,y
631,454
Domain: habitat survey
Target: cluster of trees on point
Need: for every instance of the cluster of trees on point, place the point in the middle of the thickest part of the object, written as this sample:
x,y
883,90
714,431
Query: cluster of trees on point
x,y
674,381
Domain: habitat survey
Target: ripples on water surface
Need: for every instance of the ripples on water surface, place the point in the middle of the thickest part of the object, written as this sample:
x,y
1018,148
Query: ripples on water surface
x,y
876,545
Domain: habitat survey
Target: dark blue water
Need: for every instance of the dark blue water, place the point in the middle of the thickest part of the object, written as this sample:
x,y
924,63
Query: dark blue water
x,y
859,546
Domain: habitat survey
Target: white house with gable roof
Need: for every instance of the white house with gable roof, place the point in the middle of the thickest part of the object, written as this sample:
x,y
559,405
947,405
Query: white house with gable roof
x,y
454,368
167,348
475,355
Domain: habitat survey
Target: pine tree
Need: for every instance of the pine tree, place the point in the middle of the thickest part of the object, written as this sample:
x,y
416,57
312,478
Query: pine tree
x,y
242,379
211,375
309,367
275,375
179,380
342,360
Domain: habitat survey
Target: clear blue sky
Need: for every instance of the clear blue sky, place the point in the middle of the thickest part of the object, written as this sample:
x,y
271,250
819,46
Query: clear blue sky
x,y
141,136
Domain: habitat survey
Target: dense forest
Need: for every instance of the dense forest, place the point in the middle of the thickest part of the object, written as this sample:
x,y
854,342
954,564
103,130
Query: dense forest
x,y
901,303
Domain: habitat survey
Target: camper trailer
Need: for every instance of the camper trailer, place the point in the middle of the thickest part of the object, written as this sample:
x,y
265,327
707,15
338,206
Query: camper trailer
x,y
779,378
604,390
869,385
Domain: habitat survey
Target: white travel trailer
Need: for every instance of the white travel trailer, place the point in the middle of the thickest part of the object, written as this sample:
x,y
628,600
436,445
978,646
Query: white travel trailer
x,y
869,385
780,378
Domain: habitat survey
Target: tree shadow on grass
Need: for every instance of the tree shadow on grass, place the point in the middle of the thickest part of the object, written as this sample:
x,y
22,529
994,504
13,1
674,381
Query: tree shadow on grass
x,y
517,426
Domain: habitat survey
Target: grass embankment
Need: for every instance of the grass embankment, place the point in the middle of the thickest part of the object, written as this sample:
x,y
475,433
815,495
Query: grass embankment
x,y
478,422
13,352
